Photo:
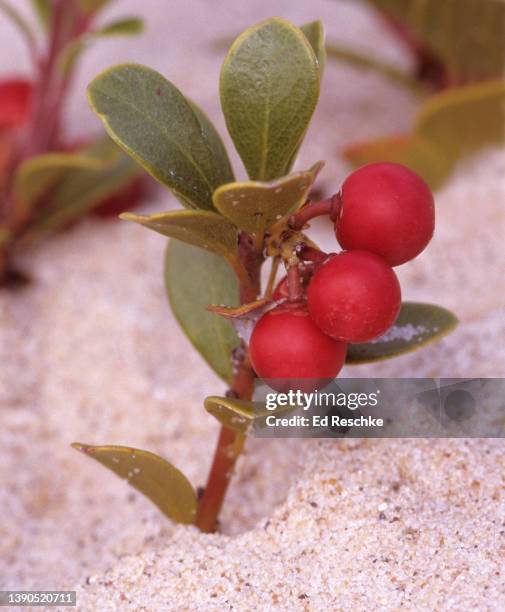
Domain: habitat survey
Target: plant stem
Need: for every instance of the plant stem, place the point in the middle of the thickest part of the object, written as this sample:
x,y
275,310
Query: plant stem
x,y
230,442
330,207
295,287
308,253
229,447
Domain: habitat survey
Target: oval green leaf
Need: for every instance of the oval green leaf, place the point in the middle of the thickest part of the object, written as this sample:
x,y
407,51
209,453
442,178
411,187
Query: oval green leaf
x,y
314,33
165,133
203,229
37,175
79,190
157,479
195,278
254,206
269,89
448,126
129,26
417,325
235,414
411,150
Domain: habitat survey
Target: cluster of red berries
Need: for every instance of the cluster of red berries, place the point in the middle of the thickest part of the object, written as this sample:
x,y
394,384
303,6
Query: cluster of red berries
x,y
386,218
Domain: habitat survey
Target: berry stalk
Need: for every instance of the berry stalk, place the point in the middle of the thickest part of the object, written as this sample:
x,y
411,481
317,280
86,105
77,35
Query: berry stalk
x,y
330,206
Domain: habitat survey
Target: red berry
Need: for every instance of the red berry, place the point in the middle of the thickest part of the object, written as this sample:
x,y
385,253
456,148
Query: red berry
x,y
355,296
388,210
286,344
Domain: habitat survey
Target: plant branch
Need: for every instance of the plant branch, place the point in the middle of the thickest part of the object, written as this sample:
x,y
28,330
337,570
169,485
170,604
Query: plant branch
x,y
230,442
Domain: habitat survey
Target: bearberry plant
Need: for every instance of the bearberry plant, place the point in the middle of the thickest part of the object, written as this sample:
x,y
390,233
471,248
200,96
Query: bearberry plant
x,y
47,180
328,308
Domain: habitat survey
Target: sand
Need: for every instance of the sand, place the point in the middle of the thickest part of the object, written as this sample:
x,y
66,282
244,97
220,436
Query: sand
x,y
91,352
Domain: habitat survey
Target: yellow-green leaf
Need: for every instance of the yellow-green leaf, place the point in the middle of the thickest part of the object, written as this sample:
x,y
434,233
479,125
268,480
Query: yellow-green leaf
x,y
448,126
43,10
79,190
417,325
236,414
195,278
163,131
37,174
200,228
129,26
240,415
154,477
411,150
269,89
462,120
254,206
314,33
468,36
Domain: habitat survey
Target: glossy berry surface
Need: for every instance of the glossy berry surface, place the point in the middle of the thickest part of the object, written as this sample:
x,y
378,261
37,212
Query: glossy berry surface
x,y
354,297
388,210
286,344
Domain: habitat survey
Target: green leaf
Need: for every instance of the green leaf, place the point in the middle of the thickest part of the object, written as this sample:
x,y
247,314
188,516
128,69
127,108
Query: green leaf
x,y
411,150
195,278
462,120
79,190
449,126
240,415
37,175
467,35
235,414
129,26
157,479
152,121
43,10
417,325
314,33
254,206
203,229
269,89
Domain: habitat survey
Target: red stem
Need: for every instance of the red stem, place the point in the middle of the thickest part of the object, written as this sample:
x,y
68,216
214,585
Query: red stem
x,y
228,449
295,287
330,207
230,442
307,253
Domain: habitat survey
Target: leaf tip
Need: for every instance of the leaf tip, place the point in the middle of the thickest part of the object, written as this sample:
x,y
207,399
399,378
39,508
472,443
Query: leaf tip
x,y
82,448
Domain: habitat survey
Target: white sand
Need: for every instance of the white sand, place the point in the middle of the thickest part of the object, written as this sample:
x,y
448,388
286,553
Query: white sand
x,y
91,353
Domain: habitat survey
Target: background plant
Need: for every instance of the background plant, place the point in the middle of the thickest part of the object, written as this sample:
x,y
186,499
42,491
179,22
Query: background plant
x,y
46,180
269,89
457,48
